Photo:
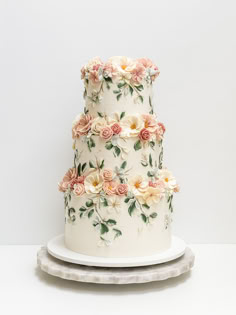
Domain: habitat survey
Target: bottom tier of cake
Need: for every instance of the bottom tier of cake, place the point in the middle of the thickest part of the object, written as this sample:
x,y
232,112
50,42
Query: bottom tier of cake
x,y
116,226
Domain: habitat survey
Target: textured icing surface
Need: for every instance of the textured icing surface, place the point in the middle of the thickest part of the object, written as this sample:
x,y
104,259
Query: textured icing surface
x,y
118,196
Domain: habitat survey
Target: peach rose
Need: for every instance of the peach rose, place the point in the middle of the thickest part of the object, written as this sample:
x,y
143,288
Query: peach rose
x,y
79,189
69,176
81,126
106,133
109,70
107,175
160,131
177,188
144,134
110,188
122,189
147,63
116,128
75,181
138,73
150,122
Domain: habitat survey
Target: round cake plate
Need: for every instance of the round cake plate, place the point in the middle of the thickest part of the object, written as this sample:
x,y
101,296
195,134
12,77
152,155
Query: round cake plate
x,y
56,247
69,271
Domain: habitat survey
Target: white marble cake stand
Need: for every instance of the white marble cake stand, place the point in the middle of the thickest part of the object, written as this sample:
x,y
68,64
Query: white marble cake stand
x,y
56,247
69,271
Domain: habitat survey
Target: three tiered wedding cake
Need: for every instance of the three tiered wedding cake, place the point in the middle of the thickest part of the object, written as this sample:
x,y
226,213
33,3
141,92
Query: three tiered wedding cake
x,y
118,196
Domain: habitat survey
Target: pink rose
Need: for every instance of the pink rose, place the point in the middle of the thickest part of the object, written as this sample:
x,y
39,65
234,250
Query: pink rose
x,y
152,184
122,189
79,189
110,188
159,183
107,175
69,176
138,73
144,134
82,126
106,133
75,181
116,128
162,127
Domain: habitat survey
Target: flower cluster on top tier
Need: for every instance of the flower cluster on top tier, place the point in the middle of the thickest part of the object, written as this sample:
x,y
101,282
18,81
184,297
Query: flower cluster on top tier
x,y
145,127
121,68
107,182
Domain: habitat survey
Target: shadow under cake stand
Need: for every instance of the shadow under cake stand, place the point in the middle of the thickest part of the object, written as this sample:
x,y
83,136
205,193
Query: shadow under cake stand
x,y
57,260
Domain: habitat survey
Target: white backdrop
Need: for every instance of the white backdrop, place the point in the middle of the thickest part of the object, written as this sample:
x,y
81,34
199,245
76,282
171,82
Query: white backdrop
x,y
43,46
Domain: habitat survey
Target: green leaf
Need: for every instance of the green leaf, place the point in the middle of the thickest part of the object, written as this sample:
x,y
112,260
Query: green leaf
x,y
109,145
92,143
103,228
150,101
144,218
131,90
108,79
83,166
152,144
82,209
150,160
100,114
81,214
144,164
102,164
69,197
139,87
122,115
118,96
91,164
145,206
121,84
79,169
89,203
153,215
141,98
127,199
123,165
111,222
105,202
137,145
132,207
90,213
150,174
117,150
117,233
116,92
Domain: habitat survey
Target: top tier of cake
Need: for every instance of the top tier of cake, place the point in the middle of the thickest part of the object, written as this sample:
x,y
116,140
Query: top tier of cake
x,y
119,85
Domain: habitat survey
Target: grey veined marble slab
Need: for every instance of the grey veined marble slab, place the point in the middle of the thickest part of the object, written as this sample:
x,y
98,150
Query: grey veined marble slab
x,y
69,271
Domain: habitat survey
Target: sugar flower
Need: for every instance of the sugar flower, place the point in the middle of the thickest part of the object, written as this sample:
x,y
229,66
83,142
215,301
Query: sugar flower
x,y
93,183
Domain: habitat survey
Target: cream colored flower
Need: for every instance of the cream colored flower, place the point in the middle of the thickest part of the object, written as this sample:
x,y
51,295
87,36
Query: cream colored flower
x,y
152,195
132,125
97,124
138,185
93,183
168,178
124,66
114,204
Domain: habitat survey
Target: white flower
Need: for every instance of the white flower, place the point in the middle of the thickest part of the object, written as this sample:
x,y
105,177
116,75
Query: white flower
x,y
114,204
132,126
150,196
93,183
168,178
97,124
138,185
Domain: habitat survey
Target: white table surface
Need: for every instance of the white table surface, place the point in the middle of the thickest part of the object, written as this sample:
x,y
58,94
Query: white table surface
x,y
210,288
